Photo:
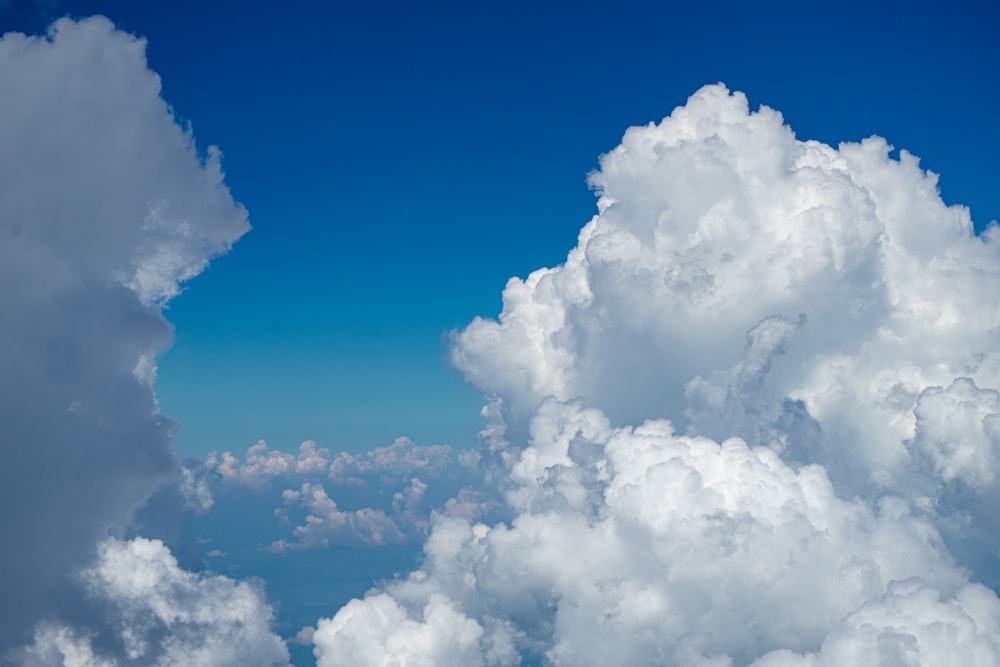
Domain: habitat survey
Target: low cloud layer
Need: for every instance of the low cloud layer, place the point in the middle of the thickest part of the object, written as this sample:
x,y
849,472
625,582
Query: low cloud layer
x,y
106,208
750,420
385,496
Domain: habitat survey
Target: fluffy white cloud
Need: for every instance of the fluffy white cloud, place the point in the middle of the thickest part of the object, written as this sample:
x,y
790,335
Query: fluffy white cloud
x,y
379,631
106,208
161,615
956,449
635,546
796,309
958,433
717,221
910,625
261,464
326,523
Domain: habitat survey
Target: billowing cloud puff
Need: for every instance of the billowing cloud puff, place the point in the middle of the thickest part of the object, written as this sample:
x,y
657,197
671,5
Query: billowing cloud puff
x,y
158,614
718,222
958,433
635,546
377,631
326,523
106,208
910,625
956,448
731,427
260,464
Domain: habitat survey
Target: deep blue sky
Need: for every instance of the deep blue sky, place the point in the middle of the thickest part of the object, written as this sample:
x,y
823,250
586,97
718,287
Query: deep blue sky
x,y
401,160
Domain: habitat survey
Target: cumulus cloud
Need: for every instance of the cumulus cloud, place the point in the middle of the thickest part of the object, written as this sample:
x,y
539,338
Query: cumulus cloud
x,y
910,625
377,631
636,546
106,208
742,423
326,523
955,447
260,464
717,222
958,433
158,614
385,496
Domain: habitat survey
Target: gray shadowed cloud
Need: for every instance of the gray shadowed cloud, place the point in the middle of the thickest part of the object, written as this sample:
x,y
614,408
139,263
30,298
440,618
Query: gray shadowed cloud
x,y
106,208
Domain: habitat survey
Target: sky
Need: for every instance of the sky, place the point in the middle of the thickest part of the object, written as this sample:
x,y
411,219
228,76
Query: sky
x,y
331,329
401,161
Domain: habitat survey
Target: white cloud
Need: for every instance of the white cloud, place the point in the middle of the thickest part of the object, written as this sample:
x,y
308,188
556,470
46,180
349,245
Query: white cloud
x,y
400,461
638,547
260,463
796,310
377,631
910,625
397,462
105,209
326,523
718,220
958,433
161,615
385,496
956,449
60,646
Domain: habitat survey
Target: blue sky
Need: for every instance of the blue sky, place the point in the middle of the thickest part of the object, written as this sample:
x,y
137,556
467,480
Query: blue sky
x,y
401,161
399,164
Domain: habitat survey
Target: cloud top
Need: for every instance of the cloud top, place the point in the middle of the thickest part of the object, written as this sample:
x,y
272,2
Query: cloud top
x,y
718,224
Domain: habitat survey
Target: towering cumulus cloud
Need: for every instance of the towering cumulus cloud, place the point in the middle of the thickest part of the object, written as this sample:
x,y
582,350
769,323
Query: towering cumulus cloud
x,y
105,209
752,419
